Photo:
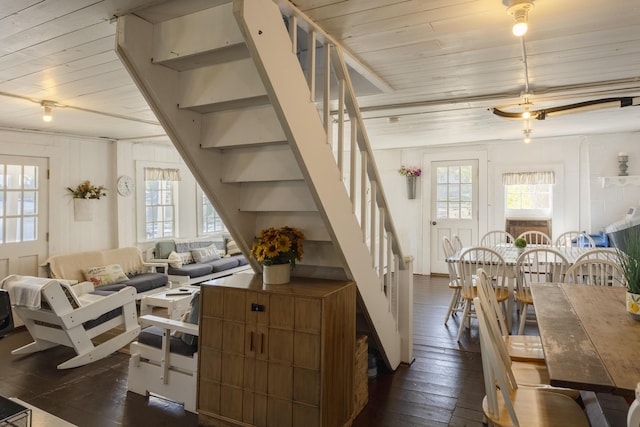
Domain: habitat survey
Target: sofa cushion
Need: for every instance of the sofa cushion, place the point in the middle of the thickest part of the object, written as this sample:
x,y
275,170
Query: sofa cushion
x,y
232,248
179,259
105,275
206,254
153,336
224,264
242,260
147,281
187,245
194,315
192,270
105,316
164,248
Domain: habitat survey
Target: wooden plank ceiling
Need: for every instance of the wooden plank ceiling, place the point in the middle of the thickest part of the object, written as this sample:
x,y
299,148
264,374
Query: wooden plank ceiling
x,y
448,63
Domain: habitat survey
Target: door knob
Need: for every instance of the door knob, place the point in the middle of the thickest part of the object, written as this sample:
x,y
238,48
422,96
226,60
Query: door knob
x,y
433,223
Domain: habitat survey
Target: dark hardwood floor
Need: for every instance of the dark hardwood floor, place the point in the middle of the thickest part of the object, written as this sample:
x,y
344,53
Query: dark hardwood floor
x,y
443,387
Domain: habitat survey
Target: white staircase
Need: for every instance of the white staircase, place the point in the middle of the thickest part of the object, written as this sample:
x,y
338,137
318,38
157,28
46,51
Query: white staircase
x,y
225,81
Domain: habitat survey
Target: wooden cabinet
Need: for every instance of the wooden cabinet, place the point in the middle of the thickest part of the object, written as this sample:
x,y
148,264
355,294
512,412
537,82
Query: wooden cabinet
x,y
276,355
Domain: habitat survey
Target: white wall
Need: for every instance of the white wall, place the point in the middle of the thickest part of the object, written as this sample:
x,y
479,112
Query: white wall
x,y
610,204
72,160
580,203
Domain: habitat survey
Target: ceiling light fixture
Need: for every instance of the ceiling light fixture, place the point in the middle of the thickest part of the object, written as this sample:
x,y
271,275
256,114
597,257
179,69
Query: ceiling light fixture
x,y
48,107
527,136
520,11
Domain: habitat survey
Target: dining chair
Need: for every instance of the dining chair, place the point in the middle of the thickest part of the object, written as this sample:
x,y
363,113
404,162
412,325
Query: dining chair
x,y
455,305
506,403
570,239
536,265
492,262
609,254
522,348
600,272
535,238
531,372
495,238
457,242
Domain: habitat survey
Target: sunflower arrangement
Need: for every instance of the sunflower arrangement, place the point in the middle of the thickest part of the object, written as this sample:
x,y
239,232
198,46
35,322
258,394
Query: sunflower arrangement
x,y
275,246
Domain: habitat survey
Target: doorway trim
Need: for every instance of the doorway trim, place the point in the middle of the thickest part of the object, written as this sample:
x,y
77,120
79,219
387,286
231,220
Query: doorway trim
x,y
483,191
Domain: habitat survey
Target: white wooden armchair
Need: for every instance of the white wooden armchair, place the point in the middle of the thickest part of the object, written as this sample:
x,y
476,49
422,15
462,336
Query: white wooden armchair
x,y
163,363
56,313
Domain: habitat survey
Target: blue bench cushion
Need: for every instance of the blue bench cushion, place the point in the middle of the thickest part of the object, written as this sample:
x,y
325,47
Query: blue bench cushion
x,y
224,264
105,316
153,336
142,282
192,270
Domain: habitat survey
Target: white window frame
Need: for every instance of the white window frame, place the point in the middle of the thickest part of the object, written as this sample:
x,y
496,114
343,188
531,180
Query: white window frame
x,y
525,212
141,200
200,209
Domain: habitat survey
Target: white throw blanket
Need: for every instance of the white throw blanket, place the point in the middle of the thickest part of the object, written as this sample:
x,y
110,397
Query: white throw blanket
x,y
25,291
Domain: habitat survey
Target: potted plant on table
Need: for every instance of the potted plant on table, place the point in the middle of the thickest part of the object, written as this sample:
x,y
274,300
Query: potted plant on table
x,y
629,259
277,249
520,244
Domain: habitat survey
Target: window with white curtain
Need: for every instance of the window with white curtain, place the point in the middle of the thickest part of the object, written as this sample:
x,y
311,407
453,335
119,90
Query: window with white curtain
x,y
160,202
528,193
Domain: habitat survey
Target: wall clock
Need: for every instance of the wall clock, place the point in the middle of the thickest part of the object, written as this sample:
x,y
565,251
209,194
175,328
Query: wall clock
x,y
125,185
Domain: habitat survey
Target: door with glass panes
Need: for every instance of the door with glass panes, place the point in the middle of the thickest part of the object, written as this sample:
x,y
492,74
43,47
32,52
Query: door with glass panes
x,y
23,215
454,206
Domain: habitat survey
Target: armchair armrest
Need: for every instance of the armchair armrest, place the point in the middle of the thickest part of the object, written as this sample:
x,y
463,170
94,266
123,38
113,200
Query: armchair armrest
x,y
82,288
173,325
155,264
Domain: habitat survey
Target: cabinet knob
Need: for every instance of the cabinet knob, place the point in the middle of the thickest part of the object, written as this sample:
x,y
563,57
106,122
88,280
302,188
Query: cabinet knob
x,y
257,307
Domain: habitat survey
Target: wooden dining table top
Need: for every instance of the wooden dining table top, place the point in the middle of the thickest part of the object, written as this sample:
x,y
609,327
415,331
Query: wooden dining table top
x,y
589,340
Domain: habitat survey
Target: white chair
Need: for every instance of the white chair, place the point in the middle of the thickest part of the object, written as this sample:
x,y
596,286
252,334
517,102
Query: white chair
x,y
535,238
600,272
609,254
164,359
457,242
455,305
508,404
56,313
521,348
570,239
492,262
536,265
495,238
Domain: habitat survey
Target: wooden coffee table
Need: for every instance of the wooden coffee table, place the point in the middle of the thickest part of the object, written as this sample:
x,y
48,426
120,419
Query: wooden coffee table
x,y
176,301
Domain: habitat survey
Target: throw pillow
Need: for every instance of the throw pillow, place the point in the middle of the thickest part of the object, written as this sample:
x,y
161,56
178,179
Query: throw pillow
x,y
232,248
105,275
194,315
174,259
201,255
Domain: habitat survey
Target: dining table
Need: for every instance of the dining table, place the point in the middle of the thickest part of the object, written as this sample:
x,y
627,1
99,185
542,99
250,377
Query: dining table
x,y
589,340
510,255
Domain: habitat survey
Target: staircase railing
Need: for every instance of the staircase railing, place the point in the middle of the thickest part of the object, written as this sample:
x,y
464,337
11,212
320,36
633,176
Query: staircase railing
x,y
348,138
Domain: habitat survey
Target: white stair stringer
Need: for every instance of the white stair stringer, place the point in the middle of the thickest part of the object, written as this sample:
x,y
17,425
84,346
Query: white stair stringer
x,y
230,122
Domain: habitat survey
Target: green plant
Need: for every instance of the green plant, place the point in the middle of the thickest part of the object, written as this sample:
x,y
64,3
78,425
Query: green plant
x,y
629,259
520,243
86,190
278,246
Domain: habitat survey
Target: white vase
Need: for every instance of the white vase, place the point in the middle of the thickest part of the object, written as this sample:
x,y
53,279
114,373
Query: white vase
x,y
411,186
276,274
83,209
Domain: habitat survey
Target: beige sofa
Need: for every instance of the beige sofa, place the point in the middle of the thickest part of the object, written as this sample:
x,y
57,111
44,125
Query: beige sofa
x,y
146,277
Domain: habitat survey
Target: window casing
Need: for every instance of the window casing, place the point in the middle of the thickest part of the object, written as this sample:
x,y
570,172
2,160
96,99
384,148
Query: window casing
x,y
210,220
528,200
160,209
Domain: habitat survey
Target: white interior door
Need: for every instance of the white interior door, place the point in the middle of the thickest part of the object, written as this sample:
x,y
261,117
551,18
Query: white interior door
x,y
24,228
454,206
